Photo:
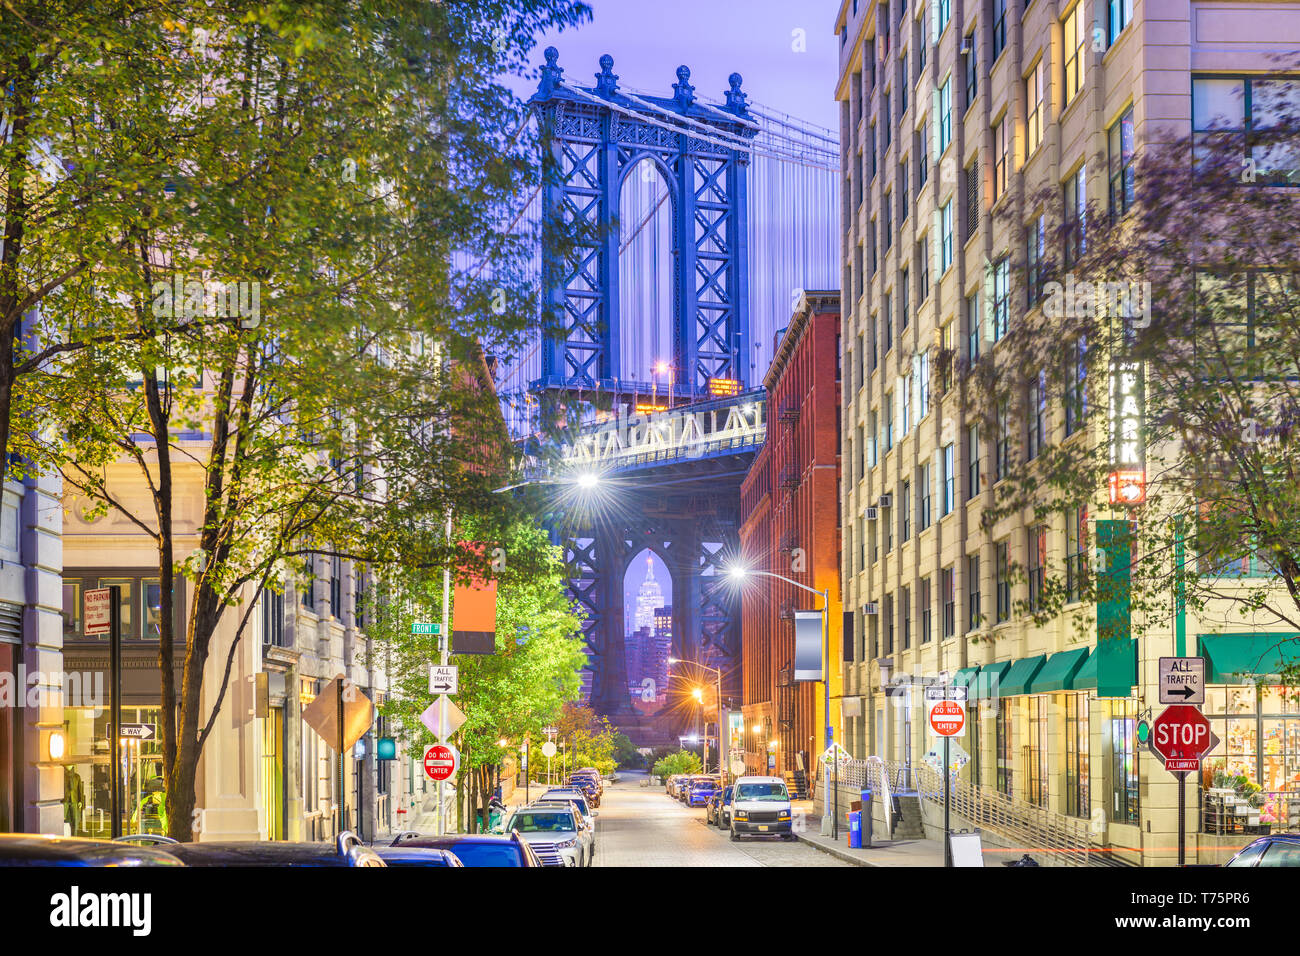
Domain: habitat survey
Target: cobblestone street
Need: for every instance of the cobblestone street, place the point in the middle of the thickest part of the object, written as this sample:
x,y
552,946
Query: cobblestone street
x,y
643,826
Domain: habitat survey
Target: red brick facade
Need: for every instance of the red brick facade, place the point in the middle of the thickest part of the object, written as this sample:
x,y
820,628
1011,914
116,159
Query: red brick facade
x,y
790,504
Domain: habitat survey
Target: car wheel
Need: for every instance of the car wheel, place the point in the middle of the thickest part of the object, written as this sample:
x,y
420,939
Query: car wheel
x,y
734,836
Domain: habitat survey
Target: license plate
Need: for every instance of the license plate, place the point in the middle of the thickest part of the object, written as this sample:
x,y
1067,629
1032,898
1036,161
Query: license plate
x,y
763,826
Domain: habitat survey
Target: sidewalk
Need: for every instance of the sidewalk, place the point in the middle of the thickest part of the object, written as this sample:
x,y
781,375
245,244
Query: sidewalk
x,y
881,853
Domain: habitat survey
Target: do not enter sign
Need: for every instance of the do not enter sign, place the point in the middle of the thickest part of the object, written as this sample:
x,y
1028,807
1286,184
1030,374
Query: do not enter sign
x,y
441,762
948,718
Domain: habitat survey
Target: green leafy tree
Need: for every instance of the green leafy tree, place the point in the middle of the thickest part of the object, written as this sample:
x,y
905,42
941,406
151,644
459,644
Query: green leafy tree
x,y
683,761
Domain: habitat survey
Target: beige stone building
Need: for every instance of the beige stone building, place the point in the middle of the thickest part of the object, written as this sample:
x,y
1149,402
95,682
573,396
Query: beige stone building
x,y
952,114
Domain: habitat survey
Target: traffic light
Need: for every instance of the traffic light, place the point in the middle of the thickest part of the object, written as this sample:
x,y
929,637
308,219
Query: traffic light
x,y
1144,730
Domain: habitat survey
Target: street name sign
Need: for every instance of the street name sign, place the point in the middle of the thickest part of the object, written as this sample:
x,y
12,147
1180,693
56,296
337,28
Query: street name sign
x,y
432,718
97,612
425,627
1182,680
444,679
1181,736
441,762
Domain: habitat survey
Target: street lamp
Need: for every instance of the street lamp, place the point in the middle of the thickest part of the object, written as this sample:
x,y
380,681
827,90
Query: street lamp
x,y
698,694
584,480
830,818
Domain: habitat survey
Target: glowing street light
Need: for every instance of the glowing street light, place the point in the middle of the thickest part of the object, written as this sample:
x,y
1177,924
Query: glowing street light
x,y
698,694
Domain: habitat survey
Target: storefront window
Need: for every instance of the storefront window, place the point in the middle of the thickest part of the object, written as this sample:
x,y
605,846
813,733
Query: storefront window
x,y
151,614
1034,750
1122,745
1252,778
1077,797
1004,747
87,807
71,609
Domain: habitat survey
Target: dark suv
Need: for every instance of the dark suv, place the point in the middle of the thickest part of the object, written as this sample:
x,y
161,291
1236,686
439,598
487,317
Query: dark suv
x,y
346,850
29,849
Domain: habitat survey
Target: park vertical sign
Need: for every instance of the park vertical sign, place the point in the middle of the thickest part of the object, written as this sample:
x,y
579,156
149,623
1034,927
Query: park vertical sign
x,y
1128,465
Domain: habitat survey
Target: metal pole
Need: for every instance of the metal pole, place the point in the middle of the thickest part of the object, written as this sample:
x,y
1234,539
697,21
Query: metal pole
x,y
830,821
1182,818
115,707
722,767
947,786
442,655
528,768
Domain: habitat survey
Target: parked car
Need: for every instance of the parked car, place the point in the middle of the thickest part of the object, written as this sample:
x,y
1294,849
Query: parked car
x,y
593,774
30,849
588,785
701,790
578,800
586,826
345,850
693,782
476,849
417,856
1278,849
553,832
717,812
761,806
675,784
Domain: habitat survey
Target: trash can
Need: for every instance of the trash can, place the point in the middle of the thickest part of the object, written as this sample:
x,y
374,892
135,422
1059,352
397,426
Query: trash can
x,y
855,830
866,818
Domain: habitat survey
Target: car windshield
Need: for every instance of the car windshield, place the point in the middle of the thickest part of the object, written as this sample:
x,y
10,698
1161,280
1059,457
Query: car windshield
x,y
542,821
762,791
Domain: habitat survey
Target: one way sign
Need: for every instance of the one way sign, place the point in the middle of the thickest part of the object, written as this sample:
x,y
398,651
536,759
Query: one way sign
x,y
1182,680
444,679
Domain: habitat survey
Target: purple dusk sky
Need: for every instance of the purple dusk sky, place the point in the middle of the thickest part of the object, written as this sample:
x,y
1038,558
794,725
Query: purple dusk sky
x,y
759,39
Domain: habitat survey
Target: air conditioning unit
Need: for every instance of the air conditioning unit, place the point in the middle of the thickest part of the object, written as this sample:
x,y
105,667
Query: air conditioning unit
x,y
886,501
871,607
871,514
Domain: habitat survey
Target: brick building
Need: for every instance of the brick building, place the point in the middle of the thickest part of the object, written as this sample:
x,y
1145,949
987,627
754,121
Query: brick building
x,y
792,528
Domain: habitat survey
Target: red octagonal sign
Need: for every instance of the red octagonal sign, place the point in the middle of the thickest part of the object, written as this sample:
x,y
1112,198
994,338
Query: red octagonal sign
x,y
1181,736
441,761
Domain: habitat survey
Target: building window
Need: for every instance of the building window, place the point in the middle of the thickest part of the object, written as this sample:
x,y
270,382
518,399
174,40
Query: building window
x,y
1121,740
973,470
1034,108
336,587
887,222
945,229
872,450
972,592
889,624
944,8
949,481
1002,443
923,267
1077,798
1076,558
972,199
1120,139
358,596
1075,42
871,144
974,322
1075,200
905,510
887,125
923,384
947,587
924,486
1001,298
902,85
887,315
944,112
1002,576
921,147
901,191
972,72
904,303
1036,749
905,608
308,587
1118,14
1076,389
905,404
926,613
948,357
873,326
272,618
999,28
1001,157
1036,419
888,410
1004,752
1035,249
1037,565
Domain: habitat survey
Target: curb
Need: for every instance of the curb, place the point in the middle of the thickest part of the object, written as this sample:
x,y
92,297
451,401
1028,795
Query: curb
x,y
838,852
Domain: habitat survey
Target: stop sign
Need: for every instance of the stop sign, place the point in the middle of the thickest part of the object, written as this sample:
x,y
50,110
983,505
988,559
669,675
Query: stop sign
x,y
1181,736
947,718
441,761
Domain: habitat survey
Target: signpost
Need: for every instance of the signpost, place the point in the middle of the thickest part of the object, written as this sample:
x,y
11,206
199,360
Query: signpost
x,y
946,715
101,615
441,761
1181,736
444,679
1182,680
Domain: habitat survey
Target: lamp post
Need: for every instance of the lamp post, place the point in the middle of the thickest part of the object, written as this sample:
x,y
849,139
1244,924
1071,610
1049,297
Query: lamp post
x,y
830,818
717,674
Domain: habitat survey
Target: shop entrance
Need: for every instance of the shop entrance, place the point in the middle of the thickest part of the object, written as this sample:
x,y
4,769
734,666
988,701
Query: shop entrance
x,y
273,773
86,801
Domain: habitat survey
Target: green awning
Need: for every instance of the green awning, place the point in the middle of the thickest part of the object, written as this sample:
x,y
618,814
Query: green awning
x,y
1240,658
1086,677
1058,673
988,681
1018,678
964,676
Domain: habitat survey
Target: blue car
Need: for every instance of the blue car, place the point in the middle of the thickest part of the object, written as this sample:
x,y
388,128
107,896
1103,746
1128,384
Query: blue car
x,y
700,790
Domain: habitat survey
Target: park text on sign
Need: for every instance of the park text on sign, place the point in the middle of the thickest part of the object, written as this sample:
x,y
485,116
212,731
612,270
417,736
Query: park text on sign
x,y
1182,680
948,718
1127,482
97,612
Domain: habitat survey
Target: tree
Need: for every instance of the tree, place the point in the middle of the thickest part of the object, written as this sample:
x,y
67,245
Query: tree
x,y
507,695
1183,292
683,761
339,163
